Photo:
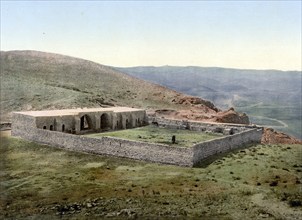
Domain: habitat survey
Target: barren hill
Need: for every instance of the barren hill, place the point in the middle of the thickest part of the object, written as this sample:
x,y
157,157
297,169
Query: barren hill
x,y
32,80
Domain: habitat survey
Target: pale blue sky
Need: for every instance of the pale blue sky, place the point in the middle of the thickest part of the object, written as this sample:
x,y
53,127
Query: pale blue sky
x,y
239,34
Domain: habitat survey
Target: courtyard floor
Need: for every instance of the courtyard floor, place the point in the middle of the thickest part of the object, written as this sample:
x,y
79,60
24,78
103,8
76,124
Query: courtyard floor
x,y
154,134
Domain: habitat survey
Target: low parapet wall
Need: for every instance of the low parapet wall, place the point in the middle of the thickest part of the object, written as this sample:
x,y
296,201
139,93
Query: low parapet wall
x,y
182,156
200,126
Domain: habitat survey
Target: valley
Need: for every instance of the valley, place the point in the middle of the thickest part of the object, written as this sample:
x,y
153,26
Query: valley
x,y
269,97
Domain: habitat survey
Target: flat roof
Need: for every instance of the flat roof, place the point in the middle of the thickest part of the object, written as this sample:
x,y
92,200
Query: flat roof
x,y
77,111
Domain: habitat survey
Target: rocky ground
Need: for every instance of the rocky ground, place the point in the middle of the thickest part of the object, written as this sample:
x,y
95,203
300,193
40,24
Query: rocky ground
x,y
197,109
204,114
270,136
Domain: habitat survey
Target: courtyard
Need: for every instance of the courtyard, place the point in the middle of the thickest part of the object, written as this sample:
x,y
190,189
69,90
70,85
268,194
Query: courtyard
x,y
155,134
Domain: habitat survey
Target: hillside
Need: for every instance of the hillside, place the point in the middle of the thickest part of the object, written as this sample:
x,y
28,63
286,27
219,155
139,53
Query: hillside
x,y
270,97
32,80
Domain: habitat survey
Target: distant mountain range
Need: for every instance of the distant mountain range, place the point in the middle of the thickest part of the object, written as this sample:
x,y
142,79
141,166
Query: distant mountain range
x,y
269,97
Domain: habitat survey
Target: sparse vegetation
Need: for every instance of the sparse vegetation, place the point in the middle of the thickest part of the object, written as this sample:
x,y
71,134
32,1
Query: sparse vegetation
x,y
32,80
43,182
155,134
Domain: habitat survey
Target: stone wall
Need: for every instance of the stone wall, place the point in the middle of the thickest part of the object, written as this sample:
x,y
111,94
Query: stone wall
x,y
223,128
106,145
58,122
95,120
22,125
225,144
25,127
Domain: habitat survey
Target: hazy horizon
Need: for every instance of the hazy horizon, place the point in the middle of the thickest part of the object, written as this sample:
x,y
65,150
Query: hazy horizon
x,y
225,34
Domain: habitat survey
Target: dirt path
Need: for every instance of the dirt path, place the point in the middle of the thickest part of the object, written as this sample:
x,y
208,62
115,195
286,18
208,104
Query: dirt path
x,y
284,125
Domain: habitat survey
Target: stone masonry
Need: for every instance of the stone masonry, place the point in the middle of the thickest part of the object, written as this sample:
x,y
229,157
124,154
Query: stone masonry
x,y
31,126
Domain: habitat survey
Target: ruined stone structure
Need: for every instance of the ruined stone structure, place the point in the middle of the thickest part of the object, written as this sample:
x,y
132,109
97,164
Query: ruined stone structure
x,y
58,128
80,121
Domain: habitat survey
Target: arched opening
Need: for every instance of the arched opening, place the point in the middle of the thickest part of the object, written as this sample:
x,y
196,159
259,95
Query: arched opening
x,y
105,121
128,125
63,128
44,127
139,122
51,127
86,123
119,122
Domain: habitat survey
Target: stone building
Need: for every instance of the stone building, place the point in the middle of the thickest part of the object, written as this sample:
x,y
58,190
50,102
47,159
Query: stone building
x,y
58,128
80,121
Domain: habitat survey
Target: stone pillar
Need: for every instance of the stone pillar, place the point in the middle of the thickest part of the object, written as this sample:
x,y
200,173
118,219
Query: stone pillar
x,y
97,122
58,125
77,125
132,120
113,121
145,119
123,122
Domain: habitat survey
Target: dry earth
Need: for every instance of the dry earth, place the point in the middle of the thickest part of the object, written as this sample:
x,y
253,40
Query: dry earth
x,y
270,136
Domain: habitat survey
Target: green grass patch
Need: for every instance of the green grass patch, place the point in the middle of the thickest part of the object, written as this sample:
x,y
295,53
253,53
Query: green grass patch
x,y
153,134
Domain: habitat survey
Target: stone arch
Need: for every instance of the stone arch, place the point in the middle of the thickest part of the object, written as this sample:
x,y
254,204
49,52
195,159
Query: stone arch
x,y
86,123
51,127
63,127
44,127
105,121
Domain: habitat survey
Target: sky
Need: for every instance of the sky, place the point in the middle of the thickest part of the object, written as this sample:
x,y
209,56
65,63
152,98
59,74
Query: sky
x,y
236,34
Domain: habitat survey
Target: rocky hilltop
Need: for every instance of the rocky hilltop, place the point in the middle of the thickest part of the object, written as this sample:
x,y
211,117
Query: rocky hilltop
x,y
270,136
